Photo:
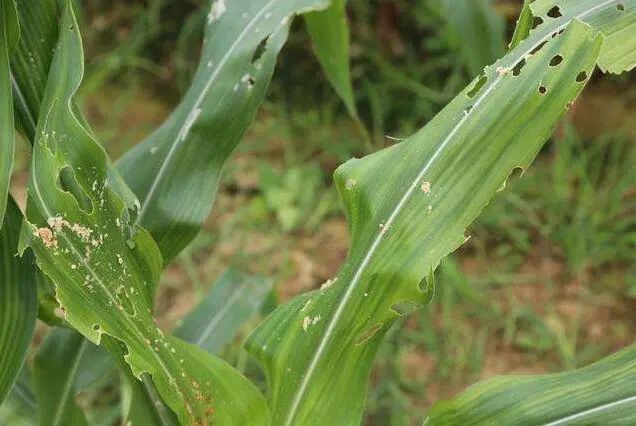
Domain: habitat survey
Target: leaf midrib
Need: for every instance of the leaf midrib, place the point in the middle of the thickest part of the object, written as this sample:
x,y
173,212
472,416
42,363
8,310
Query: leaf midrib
x,y
68,383
179,138
591,411
306,378
217,318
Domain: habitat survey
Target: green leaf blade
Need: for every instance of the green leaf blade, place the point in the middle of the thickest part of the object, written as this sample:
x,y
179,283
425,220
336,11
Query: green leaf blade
x,y
233,300
318,349
602,393
615,19
105,267
18,302
175,171
9,33
329,33
524,25
31,60
54,370
476,31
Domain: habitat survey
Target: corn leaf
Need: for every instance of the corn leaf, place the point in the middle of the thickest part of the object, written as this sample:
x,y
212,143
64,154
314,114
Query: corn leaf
x,y
31,60
616,18
175,171
232,301
142,405
476,31
55,367
524,25
408,206
104,267
9,34
18,304
601,394
329,33
19,408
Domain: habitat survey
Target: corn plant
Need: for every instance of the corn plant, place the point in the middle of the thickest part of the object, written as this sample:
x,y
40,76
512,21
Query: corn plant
x,y
87,254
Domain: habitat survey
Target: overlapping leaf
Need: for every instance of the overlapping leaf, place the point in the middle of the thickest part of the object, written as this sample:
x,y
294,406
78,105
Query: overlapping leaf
x,y
408,206
234,299
601,394
31,60
175,171
105,267
18,304
55,368
9,33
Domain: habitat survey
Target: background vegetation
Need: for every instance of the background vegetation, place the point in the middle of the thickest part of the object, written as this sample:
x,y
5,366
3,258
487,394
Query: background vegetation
x,y
548,281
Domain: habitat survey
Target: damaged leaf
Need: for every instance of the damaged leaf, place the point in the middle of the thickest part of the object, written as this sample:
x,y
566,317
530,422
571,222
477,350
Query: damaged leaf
x,y
410,208
175,171
105,267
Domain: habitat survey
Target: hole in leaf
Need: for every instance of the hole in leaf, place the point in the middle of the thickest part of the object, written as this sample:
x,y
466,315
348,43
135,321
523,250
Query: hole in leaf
x,y
539,47
68,182
517,172
557,33
260,49
404,307
72,28
543,90
556,60
516,70
620,7
536,22
581,77
555,12
477,87
96,327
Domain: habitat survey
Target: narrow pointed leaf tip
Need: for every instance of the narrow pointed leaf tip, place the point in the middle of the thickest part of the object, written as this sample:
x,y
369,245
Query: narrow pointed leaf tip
x,y
408,206
329,31
105,267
